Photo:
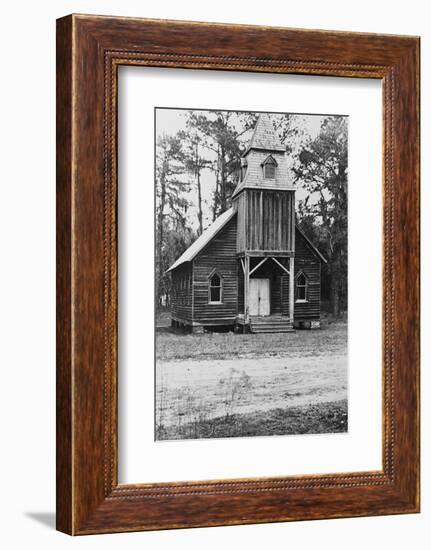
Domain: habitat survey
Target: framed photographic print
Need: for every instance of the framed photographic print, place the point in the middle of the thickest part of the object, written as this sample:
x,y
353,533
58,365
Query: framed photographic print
x,y
237,274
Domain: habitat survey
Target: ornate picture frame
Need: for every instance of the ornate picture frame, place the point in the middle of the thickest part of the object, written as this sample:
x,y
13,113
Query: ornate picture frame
x,y
89,51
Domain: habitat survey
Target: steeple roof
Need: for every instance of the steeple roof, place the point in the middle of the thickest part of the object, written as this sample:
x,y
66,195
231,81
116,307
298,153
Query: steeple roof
x,y
264,147
264,136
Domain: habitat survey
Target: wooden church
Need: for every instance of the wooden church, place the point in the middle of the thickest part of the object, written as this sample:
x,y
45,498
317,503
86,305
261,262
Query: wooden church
x,y
253,268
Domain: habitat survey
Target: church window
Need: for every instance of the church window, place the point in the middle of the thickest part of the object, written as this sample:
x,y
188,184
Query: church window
x,y
269,165
301,287
215,289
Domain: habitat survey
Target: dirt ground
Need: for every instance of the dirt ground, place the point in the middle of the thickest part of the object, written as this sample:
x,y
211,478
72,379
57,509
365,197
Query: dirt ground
x,y
222,375
274,382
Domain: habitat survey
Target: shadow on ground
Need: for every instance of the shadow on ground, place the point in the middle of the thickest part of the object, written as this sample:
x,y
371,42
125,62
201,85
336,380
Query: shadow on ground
x,y
45,518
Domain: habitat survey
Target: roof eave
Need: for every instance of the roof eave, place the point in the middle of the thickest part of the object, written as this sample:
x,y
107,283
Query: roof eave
x,y
309,242
175,265
267,187
280,149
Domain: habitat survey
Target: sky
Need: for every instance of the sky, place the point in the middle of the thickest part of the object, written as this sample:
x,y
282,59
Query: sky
x,y
170,121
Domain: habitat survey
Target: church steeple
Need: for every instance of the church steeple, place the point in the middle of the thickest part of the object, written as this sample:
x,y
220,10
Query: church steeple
x,y
264,201
264,137
264,162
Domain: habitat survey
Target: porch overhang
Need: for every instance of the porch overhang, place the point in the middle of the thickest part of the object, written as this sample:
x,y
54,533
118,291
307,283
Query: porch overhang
x,y
266,253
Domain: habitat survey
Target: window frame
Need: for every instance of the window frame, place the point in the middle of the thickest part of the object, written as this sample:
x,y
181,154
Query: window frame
x,y
210,286
305,287
269,161
269,165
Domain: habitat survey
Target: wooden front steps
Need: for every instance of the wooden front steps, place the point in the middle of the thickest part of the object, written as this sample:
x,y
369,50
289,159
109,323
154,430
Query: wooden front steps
x,y
270,323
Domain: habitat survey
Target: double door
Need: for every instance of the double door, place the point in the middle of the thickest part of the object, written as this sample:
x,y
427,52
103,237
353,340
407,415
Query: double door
x,y
259,300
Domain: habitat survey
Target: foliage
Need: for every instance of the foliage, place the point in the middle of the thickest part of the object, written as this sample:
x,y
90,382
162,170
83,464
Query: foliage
x,y
194,162
322,170
221,137
321,418
171,209
233,388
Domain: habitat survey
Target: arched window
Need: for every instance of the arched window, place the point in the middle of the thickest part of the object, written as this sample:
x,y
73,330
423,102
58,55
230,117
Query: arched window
x,y
269,165
215,289
301,287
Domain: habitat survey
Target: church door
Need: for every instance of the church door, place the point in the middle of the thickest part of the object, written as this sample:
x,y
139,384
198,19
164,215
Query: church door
x,y
259,297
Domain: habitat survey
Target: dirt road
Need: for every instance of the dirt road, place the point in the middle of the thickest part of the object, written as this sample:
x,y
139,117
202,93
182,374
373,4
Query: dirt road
x,y
248,384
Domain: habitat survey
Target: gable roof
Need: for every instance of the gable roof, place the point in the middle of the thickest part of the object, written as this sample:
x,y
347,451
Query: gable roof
x,y
269,160
264,136
204,239
311,245
211,231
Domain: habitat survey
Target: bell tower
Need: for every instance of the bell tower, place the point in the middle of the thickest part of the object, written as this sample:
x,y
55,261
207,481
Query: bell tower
x,y
264,200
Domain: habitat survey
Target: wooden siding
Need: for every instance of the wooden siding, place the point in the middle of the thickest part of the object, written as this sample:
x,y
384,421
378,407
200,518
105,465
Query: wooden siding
x,y
240,206
182,298
240,288
254,175
220,254
284,295
307,262
265,221
276,295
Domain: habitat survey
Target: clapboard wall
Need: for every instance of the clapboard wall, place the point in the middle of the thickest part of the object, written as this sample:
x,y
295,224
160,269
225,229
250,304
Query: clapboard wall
x,y
307,262
182,297
190,282
220,255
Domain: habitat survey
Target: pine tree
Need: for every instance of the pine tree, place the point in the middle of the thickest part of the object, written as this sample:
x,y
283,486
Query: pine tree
x,y
171,205
323,171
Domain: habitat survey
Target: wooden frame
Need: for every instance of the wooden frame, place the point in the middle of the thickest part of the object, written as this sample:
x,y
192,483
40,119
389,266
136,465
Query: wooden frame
x,y
89,51
301,300
210,276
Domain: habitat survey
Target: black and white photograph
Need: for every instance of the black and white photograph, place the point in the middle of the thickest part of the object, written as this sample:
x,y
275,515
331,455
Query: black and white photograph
x,y
251,274
212,301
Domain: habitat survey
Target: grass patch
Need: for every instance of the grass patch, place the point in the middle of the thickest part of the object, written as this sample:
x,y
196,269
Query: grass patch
x,y
175,345
330,417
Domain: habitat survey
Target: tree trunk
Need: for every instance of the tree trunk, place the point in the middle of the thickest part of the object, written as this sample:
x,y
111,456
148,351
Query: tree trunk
x,y
223,183
200,205
160,237
335,301
198,177
335,286
217,189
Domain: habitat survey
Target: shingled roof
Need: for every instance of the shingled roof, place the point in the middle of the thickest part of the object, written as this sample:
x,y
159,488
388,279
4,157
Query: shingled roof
x,y
264,136
311,245
204,239
264,145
